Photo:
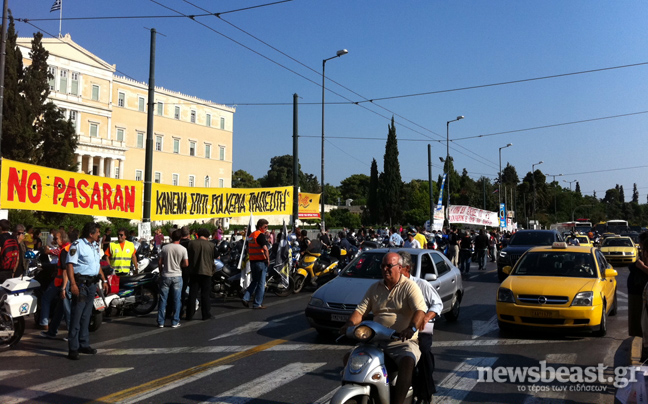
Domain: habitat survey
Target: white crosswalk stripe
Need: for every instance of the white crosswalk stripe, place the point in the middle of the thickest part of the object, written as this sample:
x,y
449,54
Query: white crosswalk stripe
x,y
552,397
7,374
460,382
262,385
55,386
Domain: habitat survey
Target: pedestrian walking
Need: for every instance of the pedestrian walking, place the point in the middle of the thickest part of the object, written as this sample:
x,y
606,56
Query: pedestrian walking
x,y
172,258
83,270
201,264
259,260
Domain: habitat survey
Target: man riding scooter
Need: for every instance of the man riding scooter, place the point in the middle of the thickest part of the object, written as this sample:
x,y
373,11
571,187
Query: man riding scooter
x,y
397,303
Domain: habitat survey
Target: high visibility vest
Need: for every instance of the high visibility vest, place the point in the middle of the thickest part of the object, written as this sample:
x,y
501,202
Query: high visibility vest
x,y
58,281
120,258
255,250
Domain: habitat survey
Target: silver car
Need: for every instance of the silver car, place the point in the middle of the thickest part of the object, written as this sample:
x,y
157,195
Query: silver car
x,y
332,304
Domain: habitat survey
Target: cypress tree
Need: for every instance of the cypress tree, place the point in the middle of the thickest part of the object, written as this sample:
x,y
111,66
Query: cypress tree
x,y
392,184
373,199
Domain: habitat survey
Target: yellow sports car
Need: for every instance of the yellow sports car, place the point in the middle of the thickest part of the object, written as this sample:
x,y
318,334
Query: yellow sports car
x,y
568,287
619,250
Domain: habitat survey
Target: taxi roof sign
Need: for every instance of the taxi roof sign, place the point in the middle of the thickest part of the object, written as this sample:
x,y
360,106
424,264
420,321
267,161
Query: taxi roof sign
x,y
559,244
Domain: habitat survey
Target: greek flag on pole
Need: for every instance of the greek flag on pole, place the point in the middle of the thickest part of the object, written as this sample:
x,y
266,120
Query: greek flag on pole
x,y
56,6
282,257
440,203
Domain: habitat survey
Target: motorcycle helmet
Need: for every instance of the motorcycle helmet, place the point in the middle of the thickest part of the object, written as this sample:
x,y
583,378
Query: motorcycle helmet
x,y
30,255
223,247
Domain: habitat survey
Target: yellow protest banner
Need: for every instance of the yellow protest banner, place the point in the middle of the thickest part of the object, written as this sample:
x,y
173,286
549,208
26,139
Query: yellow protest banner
x,y
309,206
172,202
31,187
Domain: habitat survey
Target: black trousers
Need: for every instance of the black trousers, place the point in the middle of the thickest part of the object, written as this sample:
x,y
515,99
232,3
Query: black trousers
x,y
200,283
423,381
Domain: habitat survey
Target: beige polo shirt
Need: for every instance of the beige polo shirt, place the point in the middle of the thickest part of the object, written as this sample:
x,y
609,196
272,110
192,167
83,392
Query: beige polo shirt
x,y
394,309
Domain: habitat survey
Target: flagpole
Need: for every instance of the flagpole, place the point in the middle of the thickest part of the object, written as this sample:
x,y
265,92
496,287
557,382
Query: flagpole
x,y
60,18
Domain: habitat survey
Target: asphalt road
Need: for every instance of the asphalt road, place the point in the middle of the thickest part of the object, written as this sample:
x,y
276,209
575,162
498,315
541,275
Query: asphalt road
x,y
272,356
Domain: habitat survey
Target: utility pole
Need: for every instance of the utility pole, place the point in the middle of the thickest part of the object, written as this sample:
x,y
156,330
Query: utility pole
x,y
3,53
295,160
430,187
148,167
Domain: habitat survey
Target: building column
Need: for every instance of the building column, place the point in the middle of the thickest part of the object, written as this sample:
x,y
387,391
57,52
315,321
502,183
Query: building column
x,y
109,167
120,164
100,173
80,162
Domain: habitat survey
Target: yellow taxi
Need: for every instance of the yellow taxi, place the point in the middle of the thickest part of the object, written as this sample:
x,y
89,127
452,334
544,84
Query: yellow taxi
x,y
584,241
619,250
558,287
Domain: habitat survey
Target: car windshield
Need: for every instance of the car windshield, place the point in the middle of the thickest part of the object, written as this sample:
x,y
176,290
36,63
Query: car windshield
x,y
367,266
617,242
532,238
583,239
554,263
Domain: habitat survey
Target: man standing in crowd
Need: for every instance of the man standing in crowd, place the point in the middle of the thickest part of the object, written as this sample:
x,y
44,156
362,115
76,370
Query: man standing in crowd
x,y
423,384
106,239
121,254
395,240
453,246
184,241
9,251
172,258
201,264
83,271
411,241
481,246
259,260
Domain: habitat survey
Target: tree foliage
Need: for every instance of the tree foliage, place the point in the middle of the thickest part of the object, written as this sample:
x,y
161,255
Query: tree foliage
x,y
243,179
391,186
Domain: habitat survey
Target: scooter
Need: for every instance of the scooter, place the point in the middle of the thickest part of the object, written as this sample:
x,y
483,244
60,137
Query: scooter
x,y
368,376
315,268
138,293
17,300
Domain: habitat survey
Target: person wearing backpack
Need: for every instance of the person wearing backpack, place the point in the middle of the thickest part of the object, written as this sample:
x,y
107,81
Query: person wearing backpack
x,y
9,251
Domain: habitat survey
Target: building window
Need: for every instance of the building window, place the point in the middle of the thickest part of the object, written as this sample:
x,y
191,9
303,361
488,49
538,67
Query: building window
x,y
121,99
117,172
120,135
192,180
138,175
63,81
140,105
207,151
221,151
140,140
192,148
51,77
222,120
207,181
158,177
160,108
74,115
74,88
176,146
208,120
221,183
95,92
94,129
193,116
175,179
158,143
176,114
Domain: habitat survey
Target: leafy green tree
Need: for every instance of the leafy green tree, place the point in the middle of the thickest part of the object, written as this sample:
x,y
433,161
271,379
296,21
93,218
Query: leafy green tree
x,y
58,142
333,195
280,174
373,200
309,183
338,218
356,187
243,179
417,202
635,193
391,184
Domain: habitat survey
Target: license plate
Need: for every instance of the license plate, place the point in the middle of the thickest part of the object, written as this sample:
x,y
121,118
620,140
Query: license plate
x,y
543,313
99,304
339,317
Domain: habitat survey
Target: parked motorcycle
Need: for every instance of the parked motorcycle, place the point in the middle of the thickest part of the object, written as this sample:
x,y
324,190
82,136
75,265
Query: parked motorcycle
x,y
17,300
368,375
138,293
314,269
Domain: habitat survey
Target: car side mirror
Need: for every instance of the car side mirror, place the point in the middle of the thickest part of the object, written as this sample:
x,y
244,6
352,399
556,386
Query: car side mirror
x,y
611,273
507,269
430,277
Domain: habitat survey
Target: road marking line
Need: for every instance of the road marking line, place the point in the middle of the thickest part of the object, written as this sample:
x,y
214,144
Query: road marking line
x,y
34,392
263,385
7,374
554,361
163,381
252,326
171,386
326,399
622,294
457,385
481,328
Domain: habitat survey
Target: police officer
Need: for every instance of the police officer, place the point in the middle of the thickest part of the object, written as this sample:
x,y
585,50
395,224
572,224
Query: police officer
x,y
83,270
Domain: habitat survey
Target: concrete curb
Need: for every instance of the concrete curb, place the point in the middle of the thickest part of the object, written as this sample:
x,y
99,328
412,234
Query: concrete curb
x,y
635,351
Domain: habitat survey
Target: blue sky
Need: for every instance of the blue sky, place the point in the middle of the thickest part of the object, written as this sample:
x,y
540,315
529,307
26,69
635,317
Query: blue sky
x,y
400,48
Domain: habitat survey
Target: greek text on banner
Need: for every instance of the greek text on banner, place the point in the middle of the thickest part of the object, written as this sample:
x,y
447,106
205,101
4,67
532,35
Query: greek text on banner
x,y
172,202
30,187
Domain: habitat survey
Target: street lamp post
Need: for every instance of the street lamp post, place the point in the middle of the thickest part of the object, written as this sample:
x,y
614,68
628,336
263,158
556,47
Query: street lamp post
x,y
534,188
571,197
460,117
555,206
339,53
499,191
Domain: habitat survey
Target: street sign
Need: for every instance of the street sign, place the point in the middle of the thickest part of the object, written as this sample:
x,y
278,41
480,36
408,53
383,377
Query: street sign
x,y
144,230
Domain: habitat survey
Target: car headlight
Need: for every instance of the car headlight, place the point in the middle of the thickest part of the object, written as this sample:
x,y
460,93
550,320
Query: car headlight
x,y
628,253
502,254
358,361
315,302
583,299
505,295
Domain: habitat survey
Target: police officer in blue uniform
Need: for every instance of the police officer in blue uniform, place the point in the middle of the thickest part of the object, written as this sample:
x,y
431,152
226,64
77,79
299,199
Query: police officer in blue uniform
x,y
84,270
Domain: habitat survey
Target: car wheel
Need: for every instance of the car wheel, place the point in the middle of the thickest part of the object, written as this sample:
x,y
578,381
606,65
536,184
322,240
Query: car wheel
x,y
603,327
615,307
453,314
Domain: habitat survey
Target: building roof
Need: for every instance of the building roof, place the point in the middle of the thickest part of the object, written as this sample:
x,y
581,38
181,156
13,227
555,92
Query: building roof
x,y
65,47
